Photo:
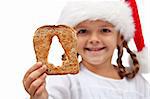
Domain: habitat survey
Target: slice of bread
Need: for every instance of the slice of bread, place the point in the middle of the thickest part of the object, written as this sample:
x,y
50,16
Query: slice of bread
x,y
67,37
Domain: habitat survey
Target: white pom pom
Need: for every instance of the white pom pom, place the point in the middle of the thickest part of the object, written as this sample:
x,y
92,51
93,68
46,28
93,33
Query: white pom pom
x,y
143,58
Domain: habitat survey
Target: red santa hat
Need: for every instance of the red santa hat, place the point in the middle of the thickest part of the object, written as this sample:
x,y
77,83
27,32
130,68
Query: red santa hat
x,y
142,54
122,14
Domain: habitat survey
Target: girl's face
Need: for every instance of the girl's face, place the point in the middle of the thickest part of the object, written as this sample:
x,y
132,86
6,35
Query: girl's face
x,y
96,41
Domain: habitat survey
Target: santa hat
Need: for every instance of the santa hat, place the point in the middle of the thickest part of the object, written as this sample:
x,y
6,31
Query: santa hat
x,y
122,14
142,54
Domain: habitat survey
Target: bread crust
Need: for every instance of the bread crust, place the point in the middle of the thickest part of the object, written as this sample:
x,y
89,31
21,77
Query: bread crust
x,y
67,37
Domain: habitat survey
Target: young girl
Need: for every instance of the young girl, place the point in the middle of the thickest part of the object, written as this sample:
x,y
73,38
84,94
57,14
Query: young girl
x,y
101,28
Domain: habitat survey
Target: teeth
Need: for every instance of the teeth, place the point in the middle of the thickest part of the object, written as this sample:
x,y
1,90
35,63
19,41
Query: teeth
x,y
94,49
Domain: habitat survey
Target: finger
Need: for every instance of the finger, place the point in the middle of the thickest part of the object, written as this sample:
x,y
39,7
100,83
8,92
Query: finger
x,y
36,84
35,75
33,68
40,89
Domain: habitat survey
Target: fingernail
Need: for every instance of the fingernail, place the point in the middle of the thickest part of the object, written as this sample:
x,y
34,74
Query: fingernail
x,y
45,67
45,74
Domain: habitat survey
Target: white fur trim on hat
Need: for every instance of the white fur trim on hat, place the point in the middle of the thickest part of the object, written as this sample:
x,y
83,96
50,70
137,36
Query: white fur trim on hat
x,y
143,58
117,13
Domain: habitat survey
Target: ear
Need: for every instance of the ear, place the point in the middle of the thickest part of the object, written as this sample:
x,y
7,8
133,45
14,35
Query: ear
x,y
120,39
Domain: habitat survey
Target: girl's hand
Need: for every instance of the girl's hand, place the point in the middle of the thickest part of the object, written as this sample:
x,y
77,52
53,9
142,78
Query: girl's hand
x,y
34,81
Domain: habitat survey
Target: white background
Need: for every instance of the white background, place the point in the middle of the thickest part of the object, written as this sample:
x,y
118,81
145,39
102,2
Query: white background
x,y
18,21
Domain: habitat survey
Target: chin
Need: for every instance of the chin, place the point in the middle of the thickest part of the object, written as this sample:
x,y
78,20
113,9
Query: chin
x,y
94,61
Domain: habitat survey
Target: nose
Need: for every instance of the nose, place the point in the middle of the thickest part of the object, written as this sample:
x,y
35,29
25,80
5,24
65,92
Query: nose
x,y
94,39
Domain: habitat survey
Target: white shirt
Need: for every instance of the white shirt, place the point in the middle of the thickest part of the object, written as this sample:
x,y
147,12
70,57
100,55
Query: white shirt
x,y
87,85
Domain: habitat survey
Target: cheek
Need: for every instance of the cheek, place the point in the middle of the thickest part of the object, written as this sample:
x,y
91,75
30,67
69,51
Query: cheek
x,y
80,44
112,42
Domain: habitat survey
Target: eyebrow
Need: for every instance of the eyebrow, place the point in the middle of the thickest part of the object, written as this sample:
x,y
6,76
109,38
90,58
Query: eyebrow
x,y
81,27
103,25
107,25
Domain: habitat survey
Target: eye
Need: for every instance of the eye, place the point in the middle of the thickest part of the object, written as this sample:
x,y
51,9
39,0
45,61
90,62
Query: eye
x,y
82,31
105,30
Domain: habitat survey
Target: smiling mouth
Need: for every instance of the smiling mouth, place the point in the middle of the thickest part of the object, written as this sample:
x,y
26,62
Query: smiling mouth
x,y
94,49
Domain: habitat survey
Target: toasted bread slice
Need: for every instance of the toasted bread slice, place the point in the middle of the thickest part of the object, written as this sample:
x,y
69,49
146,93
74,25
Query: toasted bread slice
x,y
67,37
